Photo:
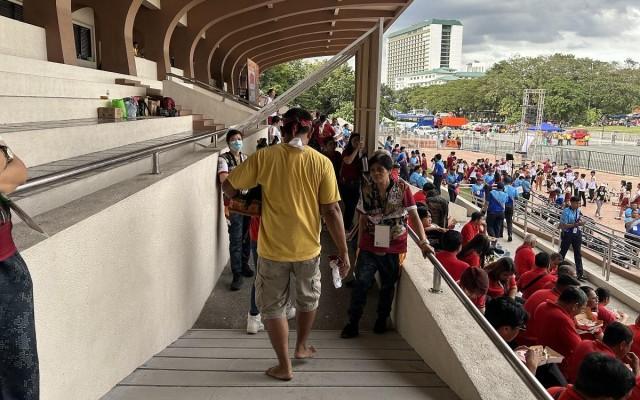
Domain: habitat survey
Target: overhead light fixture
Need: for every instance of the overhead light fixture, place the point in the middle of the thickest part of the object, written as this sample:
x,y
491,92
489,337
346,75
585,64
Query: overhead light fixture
x,y
270,5
336,11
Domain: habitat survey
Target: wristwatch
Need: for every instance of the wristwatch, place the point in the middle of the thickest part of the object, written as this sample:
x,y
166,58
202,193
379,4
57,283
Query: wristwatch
x,y
8,154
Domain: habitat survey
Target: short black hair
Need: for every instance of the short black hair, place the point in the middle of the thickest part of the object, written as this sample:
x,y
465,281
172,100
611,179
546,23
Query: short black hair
x,y
381,158
428,187
603,294
295,116
451,240
573,295
601,375
275,119
616,333
505,311
423,212
565,280
574,199
477,215
232,132
542,260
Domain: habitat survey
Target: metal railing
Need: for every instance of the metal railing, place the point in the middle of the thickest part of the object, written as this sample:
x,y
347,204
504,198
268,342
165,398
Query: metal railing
x,y
215,90
439,274
151,151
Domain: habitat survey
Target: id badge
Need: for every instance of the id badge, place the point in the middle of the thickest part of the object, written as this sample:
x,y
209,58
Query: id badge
x,y
382,236
575,230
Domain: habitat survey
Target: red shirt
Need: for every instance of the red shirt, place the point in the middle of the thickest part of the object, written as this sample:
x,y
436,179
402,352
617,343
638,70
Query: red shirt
x,y
7,246
570,394
472,258
469,231
350,172
497,289
450,161
607,316
555,328
450,262
551,283
585,348
254,228
635,347
525,259
420,197
528,286
528,338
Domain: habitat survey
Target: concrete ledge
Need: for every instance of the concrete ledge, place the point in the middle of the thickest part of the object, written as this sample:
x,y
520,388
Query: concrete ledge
x,y
43,146
449,340
21,39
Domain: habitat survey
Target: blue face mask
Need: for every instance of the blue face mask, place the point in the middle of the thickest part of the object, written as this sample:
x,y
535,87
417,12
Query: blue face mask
x,y
235,145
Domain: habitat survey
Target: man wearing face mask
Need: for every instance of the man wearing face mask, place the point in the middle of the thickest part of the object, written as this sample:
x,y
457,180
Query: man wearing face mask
x,y
299,188
239,243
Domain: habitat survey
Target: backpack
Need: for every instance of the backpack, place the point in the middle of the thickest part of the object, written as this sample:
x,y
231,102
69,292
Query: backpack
x,y
168,103
143,108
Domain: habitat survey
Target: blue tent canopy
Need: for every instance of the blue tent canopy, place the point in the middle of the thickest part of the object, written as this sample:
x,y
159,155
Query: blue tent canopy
x,y
546,127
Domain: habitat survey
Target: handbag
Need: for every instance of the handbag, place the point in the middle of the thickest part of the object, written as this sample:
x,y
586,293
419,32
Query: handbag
x,y
249,204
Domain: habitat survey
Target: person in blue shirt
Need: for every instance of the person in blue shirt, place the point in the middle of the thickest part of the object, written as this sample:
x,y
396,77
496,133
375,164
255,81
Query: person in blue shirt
x,y
512,192
629,211
388,144
438,172
496,203
453,181
489,178
416,178
477,190
525,184
571,223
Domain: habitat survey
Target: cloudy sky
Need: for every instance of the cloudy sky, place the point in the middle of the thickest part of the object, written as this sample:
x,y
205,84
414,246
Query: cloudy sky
x,y
494,30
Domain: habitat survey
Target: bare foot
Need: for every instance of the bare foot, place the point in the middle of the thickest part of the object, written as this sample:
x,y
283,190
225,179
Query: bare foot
x,y
305,351
280,373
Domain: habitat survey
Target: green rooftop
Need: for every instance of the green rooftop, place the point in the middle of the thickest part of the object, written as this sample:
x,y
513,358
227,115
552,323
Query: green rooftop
x,y
420,25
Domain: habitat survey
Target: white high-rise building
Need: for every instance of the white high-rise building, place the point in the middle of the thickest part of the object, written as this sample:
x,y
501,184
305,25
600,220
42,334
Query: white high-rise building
x,y
429,45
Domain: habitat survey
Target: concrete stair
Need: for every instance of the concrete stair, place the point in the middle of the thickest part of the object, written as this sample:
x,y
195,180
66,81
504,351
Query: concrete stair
x,y
200,123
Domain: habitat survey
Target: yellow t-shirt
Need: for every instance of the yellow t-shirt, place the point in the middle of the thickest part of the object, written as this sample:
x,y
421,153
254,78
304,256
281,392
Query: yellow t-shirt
x,y
294,183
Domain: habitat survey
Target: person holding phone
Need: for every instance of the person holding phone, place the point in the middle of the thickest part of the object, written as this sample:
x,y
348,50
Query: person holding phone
x,y
571,223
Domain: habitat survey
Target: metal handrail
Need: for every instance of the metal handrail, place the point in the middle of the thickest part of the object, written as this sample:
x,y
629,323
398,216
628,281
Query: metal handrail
x,y
215,90
154,151
439,273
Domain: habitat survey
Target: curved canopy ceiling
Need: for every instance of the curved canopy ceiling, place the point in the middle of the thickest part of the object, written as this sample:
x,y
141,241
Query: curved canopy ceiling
x,y
219,37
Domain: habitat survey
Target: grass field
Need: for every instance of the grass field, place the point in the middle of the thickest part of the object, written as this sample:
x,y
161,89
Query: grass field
x,y
620,129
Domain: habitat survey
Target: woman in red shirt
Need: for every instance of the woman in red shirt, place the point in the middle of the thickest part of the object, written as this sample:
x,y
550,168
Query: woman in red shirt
x,y
475,283
502,278
525,257
474,252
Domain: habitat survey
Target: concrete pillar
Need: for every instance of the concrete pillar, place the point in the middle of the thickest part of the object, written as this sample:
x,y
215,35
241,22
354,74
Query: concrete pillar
x,y
368,78
55,17
114,33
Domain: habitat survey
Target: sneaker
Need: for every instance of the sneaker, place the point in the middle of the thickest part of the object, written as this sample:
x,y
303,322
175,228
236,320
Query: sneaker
x,y
582,278
510,239
350,331
291,312
247,272
236,284
254,324
381,326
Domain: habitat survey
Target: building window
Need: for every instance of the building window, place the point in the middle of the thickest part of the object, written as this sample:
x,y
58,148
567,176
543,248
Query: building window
x,y
82,36
10,9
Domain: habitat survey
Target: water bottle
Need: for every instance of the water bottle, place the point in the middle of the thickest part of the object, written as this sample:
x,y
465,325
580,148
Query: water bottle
x,y
335,263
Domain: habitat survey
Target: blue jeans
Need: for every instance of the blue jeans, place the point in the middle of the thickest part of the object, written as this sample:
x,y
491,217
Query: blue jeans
x,y
19,373
239,247
368,264
254,256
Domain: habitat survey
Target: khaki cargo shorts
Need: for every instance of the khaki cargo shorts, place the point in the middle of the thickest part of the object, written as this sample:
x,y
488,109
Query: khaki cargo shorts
x,y
273,283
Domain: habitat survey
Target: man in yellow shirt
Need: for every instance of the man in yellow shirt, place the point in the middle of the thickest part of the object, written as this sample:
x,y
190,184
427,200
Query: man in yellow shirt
x,y
299,187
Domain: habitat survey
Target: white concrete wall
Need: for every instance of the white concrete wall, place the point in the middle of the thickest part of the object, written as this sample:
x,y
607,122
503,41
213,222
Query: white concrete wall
x,y
146,69
177,71
455,55
204,102
22,40
435,42
449,340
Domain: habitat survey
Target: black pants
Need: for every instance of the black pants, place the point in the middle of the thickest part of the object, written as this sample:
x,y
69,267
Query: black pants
x,y
592,194
583,197
367,266
573,240
350,192
437,182
19,373
526,195
508,216
452,193
494,223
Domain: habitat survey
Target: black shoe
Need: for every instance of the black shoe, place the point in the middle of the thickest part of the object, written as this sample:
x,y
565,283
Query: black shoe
x,y
510,239
247,272
236,284
350,331
582,278
381,326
